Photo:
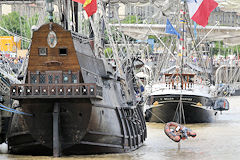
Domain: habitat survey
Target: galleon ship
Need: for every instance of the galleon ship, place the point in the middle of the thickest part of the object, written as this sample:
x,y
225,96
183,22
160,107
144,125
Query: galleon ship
x,y
78,105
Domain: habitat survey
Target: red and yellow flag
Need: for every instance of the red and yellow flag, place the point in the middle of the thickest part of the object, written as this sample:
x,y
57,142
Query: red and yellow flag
x,y
90,6
80,1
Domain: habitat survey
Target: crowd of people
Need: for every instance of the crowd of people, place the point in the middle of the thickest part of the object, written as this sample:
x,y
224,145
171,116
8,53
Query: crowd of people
x,y
10,58
10,63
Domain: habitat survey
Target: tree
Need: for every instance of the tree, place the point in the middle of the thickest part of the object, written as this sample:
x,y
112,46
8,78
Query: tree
x,y
224,50
19,25
11,22
132,20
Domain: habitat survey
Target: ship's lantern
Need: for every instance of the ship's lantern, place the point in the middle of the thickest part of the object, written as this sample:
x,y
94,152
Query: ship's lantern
x,y
92,90
65,78
84,90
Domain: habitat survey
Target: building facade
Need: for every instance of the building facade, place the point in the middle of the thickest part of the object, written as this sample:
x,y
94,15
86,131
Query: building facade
x,y
147,12
224,18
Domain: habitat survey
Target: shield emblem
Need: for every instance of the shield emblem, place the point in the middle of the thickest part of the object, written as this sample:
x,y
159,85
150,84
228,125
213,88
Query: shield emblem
x,y
52,39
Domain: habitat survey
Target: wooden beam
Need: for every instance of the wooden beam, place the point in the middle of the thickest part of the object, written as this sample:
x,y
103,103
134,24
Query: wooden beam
x,y
56,130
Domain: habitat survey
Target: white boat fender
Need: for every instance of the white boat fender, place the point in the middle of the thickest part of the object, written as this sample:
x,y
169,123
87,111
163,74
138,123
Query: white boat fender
x,y
3,148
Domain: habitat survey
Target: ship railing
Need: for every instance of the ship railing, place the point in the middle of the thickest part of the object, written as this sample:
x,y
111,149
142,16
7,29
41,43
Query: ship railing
x,y
82,90
177,86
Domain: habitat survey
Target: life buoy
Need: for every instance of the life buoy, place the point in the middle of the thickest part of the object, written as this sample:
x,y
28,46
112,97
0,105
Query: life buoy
x,y
176,132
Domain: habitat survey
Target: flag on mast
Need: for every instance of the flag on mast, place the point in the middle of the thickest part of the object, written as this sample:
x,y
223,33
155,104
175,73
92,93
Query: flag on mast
x,y
90,6
171,30
80,1
199,10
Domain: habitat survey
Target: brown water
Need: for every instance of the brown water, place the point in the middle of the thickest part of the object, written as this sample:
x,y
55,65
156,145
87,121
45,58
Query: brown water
x,y
215,141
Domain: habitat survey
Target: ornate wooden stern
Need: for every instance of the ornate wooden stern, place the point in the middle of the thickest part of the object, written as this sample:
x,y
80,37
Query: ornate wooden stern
x,y
78,107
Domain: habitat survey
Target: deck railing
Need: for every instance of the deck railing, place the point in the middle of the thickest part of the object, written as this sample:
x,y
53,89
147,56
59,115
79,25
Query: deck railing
x,y
81,90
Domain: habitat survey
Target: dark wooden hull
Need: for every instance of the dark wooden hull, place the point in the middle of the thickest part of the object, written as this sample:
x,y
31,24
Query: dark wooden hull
x,y
83,128
166,109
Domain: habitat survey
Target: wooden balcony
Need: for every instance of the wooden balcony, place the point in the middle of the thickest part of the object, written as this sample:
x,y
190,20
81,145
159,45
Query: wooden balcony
x,y
46,91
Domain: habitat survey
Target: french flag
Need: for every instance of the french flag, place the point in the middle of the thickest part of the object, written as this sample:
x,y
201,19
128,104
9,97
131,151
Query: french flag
x,y
199,10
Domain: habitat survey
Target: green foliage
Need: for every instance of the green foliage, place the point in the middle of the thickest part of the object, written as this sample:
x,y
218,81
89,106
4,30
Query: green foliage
x,y
55,19
19,25
131,19
117,37
11,22
113,21
165,39
224,50
28,25
108,53
153,37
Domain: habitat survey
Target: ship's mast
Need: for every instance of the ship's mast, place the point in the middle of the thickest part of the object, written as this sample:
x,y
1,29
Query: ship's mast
x,y
74,7
180,109
182,39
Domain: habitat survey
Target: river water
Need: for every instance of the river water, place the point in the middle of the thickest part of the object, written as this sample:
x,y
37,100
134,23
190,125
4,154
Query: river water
x,y
215,141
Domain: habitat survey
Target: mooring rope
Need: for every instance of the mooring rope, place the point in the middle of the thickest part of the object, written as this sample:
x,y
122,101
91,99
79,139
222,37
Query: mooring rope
x,y
4,108
156,116
180,112
152,112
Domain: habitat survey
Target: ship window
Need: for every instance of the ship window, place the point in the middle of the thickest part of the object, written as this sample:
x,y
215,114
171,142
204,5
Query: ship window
x,y
74,78
33,78
62,51
57,78
50,79
42,51
42,78
65,78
